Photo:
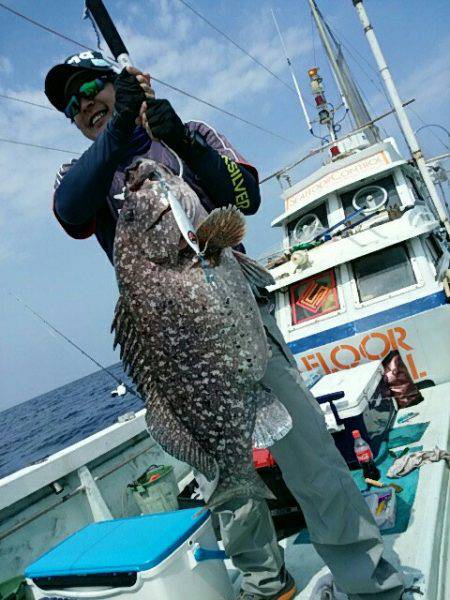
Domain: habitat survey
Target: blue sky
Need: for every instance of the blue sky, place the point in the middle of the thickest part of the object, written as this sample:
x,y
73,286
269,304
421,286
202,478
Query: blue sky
x,y
70,282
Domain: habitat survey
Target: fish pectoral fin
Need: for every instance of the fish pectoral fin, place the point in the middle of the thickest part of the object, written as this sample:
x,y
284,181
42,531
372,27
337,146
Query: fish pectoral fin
x,y
253,271
252,487
223,228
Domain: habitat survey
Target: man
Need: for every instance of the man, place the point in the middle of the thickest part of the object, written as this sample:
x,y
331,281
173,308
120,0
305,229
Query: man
x,y
106,108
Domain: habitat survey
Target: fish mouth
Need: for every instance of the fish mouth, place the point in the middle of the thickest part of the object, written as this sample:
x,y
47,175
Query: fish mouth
x,y
139,178
137,183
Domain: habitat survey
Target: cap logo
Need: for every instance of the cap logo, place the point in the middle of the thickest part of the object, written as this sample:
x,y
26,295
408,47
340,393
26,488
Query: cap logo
x,y
95,58
77,58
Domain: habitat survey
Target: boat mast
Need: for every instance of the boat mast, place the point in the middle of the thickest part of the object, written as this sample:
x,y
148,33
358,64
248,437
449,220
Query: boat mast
x,y
341,71
408,132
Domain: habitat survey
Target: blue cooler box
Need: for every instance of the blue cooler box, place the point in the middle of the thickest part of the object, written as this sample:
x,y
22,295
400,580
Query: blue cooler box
x,y
162,556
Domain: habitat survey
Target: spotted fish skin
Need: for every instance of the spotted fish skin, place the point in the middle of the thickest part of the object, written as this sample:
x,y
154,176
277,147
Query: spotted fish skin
x,y
196,352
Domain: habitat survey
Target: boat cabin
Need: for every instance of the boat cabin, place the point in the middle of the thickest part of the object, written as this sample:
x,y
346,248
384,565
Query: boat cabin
x,y
362,251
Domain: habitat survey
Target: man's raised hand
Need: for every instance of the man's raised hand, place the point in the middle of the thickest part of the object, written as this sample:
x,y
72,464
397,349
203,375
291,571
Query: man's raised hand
x,y
132,86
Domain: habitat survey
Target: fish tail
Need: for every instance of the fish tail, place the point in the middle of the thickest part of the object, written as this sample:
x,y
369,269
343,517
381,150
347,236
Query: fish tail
x,y
175,438
223,228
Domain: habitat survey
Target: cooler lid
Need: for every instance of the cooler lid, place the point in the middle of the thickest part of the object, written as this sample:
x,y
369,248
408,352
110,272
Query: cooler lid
x,y
122,545
358,385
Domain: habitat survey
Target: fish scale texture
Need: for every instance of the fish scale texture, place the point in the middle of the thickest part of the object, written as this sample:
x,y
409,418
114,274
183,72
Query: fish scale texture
x,y
196,351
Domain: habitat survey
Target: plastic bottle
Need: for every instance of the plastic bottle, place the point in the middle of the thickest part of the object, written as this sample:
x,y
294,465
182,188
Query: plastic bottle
x,y
365,457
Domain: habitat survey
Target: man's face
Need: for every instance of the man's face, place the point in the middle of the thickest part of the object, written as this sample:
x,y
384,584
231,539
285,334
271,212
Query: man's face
x,y
95,112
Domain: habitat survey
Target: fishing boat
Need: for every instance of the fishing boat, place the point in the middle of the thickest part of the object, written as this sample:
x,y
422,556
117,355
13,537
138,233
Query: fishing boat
x,y
363,270
364,261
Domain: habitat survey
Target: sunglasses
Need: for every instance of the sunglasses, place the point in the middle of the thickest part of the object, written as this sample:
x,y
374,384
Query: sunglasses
x,y
88,90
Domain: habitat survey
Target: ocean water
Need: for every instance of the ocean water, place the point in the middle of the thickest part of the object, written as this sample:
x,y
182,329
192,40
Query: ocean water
x,y
43,425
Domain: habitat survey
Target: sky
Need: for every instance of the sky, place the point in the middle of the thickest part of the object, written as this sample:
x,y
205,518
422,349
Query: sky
x,y
71,283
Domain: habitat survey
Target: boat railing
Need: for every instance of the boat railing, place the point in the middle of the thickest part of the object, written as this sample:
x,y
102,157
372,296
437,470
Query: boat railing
x,y
284,170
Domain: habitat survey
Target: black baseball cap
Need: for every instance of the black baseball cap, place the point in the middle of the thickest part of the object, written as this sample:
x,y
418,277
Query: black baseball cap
x,y
58,77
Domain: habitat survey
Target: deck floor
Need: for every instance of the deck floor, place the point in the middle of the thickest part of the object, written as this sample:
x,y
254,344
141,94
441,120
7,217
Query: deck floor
x,y
423,550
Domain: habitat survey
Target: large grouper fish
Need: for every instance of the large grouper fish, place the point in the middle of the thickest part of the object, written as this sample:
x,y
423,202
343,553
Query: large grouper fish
x,y
196,349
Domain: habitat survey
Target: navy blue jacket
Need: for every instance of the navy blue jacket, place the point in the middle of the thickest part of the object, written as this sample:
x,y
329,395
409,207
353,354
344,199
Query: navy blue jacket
x,y
85,189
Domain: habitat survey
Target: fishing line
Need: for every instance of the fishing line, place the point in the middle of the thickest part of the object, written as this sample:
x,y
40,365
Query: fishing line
x,y
87,15
44,27
29,102
60,333
17,143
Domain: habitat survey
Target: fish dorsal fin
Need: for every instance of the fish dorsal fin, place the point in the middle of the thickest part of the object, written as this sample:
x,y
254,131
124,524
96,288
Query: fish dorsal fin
x,y
133,353
223,228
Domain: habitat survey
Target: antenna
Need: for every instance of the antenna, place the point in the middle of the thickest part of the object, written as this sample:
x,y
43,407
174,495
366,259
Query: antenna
x,y
325,111
294,78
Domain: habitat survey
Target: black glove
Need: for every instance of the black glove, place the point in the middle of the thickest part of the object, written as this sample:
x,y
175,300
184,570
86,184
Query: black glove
x,y
166,125
129,99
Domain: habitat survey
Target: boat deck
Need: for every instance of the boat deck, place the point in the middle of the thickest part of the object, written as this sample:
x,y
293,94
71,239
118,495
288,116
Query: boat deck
x,y
423,549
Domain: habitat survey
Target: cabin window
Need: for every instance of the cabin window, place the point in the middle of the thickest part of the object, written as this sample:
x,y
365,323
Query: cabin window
x,y
313,297
387,183
383,272
319,211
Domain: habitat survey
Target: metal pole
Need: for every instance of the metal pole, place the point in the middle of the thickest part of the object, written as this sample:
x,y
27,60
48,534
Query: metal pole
x,y
315,151
401,113
294,78
331,57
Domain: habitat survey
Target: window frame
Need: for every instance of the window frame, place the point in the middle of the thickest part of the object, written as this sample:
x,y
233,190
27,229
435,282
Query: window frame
x,y
372,181
414,188
434,251
382,298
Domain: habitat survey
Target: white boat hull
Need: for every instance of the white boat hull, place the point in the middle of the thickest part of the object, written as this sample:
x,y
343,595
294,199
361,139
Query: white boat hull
x,y
421,338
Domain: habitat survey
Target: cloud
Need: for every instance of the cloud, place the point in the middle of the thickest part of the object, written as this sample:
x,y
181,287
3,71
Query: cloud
x,y
178,48
5,65
429,82
29,173
181,50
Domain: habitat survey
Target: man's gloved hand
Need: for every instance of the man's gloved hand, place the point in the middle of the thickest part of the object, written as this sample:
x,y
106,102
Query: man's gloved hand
x,y
163,123
129,98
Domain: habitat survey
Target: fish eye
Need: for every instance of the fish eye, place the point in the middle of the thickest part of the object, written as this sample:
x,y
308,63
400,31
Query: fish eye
x,y
129,215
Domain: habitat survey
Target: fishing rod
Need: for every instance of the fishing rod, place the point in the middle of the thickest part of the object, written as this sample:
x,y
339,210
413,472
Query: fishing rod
x,y
61,334
101,20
